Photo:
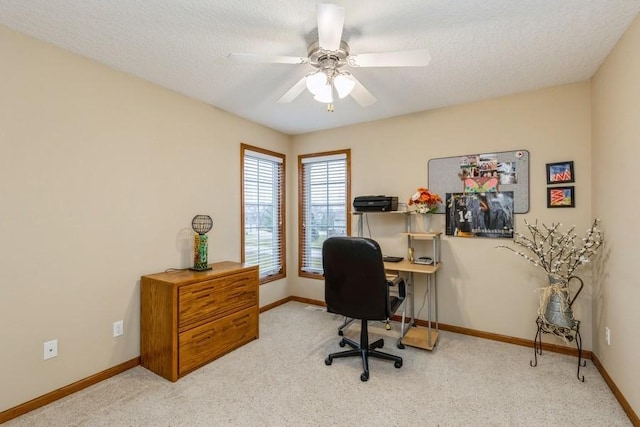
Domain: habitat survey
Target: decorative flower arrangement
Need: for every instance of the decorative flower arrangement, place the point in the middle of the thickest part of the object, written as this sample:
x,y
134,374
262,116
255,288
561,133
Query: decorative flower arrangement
x,y
424,201
556,252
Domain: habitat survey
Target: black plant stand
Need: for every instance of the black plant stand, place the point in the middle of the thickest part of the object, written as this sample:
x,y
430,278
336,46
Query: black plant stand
x,y
568,334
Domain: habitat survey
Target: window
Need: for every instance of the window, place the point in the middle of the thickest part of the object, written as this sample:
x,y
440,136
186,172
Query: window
x,y
263,222
324,192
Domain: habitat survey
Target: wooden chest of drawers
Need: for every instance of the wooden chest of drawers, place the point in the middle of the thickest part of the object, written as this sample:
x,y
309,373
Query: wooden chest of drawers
x,y
188,318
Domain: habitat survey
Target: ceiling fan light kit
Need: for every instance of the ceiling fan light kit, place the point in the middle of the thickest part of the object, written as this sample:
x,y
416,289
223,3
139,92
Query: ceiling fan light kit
x,y
343,84
328,55
316,82
325,95
323,83
329,78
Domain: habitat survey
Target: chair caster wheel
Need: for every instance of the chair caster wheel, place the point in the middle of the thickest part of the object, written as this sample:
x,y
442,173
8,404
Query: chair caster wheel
x,y
364,376
400,346
342,343
398,365
328,361
341,333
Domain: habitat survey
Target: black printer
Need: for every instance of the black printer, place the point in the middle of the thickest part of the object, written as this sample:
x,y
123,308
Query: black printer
x,y
375,203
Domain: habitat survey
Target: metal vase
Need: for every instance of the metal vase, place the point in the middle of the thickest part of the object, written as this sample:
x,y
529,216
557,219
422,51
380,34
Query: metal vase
x,y
558,311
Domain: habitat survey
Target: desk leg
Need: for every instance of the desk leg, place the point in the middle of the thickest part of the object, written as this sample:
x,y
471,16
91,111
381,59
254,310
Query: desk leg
x,y
408,302
435,297
412,307
347,321
429,343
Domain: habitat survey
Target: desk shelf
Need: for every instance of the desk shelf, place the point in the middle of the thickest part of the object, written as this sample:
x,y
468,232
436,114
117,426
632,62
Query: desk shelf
x,y
423,236
409,267
421,337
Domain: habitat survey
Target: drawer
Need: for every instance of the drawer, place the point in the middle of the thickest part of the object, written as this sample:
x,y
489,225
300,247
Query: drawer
x,y
215,298
204,343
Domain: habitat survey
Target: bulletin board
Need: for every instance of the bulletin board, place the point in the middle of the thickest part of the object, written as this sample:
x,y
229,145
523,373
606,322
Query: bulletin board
x,y
510,168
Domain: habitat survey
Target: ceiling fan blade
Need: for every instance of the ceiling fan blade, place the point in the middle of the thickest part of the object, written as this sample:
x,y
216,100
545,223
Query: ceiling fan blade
x,y
266,59
330,24
361,94
296,90
408,58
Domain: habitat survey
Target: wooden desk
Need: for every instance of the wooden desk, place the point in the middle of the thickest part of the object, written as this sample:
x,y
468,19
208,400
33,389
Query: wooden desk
x,y
409,267
415,336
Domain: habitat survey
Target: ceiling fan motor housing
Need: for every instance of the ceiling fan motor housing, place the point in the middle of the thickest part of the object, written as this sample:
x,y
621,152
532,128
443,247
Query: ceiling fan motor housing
x,y
328,59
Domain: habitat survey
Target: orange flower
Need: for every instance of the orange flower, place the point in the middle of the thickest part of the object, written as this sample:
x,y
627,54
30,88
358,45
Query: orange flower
x,y
425,201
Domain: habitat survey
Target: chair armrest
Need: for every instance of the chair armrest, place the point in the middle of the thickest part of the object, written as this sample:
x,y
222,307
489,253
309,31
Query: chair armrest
x,y
394,281
399,282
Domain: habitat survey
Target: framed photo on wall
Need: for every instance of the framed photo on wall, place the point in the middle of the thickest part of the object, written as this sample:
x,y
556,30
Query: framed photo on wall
x,y
560,173
561,197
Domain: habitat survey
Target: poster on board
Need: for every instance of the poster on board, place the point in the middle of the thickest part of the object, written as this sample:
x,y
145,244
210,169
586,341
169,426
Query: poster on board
x,y
480,214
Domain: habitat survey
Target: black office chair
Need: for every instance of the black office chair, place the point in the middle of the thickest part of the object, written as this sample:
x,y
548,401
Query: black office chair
x,y
356,286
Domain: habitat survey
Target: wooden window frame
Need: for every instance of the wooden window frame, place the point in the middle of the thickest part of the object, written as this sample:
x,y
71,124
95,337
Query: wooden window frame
x,y
281,203
301,210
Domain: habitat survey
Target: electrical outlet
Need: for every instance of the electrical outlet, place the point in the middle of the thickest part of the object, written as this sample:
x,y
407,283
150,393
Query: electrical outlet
x,y
118,328
607,335
50,349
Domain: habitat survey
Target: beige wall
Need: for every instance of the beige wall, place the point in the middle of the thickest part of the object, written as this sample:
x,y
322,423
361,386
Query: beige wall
x,y
616,148
100,175
480,287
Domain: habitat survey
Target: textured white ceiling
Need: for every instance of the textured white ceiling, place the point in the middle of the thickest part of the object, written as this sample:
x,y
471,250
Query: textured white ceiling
x,y
479,48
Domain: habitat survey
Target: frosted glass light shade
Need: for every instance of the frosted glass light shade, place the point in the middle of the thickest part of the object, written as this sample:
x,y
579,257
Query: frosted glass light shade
x,y
316,82
343,84
325,95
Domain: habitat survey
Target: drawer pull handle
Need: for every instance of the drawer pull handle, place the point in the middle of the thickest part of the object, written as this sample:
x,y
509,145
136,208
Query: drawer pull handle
x,y
199,291
205,339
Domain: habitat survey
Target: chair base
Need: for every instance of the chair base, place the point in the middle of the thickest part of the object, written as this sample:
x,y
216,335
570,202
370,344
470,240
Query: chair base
x,y
364,350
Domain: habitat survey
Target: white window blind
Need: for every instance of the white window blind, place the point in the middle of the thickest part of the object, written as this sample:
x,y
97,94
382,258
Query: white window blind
x,y
324,206
263,178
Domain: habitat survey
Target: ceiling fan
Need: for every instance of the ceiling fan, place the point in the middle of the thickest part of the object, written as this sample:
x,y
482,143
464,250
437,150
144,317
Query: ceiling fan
x,y
330,55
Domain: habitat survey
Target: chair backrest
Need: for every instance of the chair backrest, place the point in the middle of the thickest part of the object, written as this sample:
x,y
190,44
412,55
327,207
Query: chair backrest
x,y
355,282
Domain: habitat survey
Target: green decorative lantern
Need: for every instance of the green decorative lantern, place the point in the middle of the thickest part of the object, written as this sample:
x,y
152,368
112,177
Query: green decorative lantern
x,y
201,224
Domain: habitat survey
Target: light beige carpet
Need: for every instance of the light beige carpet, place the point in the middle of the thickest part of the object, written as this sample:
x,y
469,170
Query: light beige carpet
x,y
281,380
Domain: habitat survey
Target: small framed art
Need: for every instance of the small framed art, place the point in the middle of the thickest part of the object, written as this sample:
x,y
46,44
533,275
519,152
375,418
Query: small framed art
x,y
561,197
560,173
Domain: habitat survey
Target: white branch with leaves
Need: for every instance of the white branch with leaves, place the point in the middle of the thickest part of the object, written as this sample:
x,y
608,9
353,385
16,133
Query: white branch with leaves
x,y
556,251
